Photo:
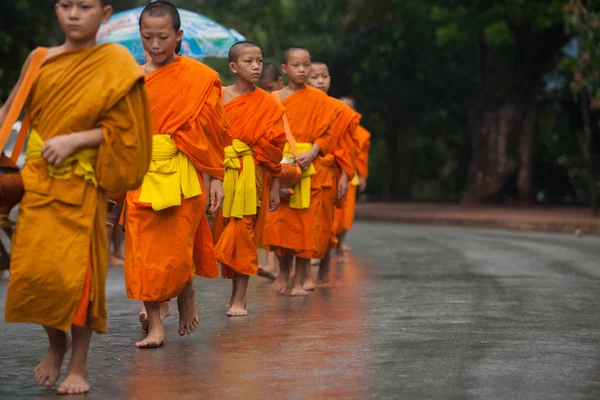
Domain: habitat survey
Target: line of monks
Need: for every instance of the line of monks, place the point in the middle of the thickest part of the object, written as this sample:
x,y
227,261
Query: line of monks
x,y
179,147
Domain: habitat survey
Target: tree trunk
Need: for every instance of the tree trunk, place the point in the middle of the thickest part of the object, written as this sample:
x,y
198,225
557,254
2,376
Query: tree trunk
x,y
501,153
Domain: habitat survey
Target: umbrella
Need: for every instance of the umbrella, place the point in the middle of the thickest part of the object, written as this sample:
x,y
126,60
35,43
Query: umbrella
x,y
202,36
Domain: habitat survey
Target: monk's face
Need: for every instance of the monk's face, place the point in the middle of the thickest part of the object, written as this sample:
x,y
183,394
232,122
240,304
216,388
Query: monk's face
x,y
249,64
297,67
81,19
160,38
319,77
349,101
270,85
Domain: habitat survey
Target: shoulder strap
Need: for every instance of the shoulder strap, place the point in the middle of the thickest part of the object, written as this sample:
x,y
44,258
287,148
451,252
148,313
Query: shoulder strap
x,y
16,107
286,126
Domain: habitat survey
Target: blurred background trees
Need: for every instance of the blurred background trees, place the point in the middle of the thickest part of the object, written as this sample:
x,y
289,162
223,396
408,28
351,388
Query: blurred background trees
x,y
476,101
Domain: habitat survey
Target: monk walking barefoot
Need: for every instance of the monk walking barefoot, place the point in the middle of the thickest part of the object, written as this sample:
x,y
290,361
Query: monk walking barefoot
x,y
165,311
292,230
281,283
253,165
167,236
337,169
86,140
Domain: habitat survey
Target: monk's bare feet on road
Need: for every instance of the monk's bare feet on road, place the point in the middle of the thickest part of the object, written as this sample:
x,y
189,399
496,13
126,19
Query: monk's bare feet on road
x,y
323,282
165,311
298,291
115,261
188,311
281,284
237,310
309,283
265,272
156,331
74,384
48,370
143,318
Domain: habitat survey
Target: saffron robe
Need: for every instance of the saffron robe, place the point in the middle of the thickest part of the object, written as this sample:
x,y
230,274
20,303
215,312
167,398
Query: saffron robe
x,y
290,231
163,249
256,120
344,217
61,224
341,158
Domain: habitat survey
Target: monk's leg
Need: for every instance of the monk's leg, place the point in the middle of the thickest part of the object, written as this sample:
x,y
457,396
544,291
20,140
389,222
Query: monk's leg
x,y
48,370
76,380
285,265
233,287
302,267
270,270
165,311
342,250
323,274
188,310
238,304
156,329
309,283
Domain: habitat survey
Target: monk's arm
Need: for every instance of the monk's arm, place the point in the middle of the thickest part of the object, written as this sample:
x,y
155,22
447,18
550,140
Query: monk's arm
x,y
11,98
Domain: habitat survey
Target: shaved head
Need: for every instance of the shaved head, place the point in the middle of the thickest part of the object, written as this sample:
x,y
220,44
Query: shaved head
x,y
291,50
271,72
349,101
235,50
162,8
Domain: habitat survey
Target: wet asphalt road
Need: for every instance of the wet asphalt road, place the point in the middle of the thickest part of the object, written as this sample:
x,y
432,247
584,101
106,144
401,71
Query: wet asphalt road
x,y
419,313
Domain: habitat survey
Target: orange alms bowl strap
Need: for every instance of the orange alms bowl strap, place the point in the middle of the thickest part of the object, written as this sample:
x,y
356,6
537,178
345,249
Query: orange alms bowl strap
x,y
286,127
39,56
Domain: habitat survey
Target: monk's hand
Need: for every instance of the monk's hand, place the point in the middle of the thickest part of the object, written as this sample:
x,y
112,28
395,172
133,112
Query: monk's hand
x,y
274,196
58,149
362,186
216,196
342,186
305,159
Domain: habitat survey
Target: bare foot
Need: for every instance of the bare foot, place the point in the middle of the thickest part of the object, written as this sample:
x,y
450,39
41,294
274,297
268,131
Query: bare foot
x,y
188,311
309,284
74,384
267,272
237,310
48,370
323,283
115,261
298,291
280,285
143,318
346,248
155,338
342,259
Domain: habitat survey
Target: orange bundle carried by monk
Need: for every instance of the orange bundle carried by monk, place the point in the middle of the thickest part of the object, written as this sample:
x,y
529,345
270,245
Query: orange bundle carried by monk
x,y
337,169
167,235
292,231
252,166
344,216
90,134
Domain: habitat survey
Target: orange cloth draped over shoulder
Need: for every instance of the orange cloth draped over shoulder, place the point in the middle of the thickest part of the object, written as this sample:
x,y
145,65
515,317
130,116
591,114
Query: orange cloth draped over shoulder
x,y
290,231
256,120
341,158
63,221
344,217
163,249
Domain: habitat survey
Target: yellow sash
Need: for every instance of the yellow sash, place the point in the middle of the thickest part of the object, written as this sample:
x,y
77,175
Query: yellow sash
x,y
84,160
355,181
171,174
239,187
301,197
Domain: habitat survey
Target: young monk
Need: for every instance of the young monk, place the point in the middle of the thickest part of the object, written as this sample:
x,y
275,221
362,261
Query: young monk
x,y
337,168
345,216
271,80
292,230
251,162
90,134
167,236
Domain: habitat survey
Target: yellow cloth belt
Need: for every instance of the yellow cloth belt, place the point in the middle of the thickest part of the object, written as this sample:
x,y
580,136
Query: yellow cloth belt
x,y
84,160
171,174
239,187
355,181
301,197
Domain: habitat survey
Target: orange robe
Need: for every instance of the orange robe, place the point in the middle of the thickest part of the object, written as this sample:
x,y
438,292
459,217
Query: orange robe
x,y
256,120
163,249
344,217
294,231
341,158
61,229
